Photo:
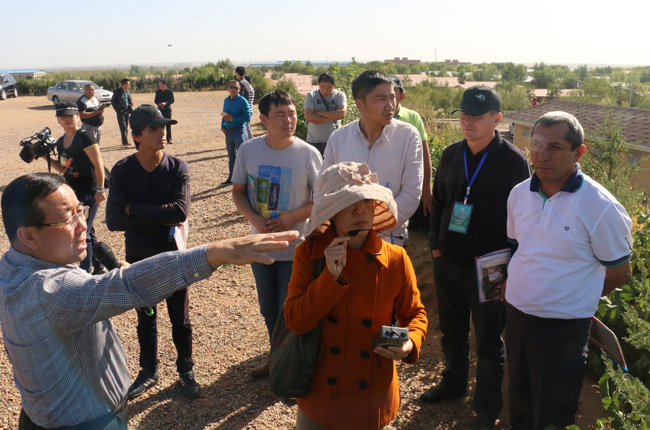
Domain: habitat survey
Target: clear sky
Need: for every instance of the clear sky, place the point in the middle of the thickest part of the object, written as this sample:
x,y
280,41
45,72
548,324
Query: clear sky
x,y
45,34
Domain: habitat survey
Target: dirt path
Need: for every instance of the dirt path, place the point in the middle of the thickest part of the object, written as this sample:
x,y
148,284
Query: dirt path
x,y
229,334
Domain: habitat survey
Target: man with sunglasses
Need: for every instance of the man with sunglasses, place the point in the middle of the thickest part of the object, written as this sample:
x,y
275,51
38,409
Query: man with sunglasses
x,y
69,365
236,113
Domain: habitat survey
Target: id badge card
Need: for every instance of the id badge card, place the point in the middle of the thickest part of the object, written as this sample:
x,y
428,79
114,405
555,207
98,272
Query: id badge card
x,y
460,218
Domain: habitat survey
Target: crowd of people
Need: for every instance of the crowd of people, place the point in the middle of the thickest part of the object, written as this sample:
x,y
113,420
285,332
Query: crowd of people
x,y
343,198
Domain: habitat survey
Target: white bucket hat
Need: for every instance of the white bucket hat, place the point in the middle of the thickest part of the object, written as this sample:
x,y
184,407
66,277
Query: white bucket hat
x,y
344,184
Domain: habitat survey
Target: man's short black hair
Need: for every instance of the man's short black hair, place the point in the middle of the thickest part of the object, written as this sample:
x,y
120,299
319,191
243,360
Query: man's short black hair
x,y
21,200
240,70
162,81
367,81
327,77
125,81
275,98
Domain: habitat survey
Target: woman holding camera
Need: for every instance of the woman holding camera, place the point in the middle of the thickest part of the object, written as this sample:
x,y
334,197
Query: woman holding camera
x,y
81,163
364,283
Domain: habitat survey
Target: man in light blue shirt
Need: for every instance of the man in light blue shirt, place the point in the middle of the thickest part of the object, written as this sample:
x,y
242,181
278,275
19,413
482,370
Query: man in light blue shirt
x,y
67,359
236,113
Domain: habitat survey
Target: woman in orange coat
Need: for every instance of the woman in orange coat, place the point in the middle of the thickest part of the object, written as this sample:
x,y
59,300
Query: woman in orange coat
x,y
355,385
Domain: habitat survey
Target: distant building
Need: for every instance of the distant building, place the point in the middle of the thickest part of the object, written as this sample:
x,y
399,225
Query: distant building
x,y
635,123
452,62
403,60
26,74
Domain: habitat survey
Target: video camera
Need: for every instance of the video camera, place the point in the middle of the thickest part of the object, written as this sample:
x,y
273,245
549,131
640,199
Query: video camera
x,y
39,145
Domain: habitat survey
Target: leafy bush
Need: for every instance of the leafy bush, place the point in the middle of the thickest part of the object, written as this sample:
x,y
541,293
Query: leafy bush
x,y
627,309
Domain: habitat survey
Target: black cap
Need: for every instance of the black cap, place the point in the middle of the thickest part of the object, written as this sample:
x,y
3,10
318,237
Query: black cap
x,y
149,115
66,109
397,82
478,100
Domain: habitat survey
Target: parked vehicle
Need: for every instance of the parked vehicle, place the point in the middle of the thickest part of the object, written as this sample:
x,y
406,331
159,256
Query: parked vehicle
x,y
8,86
70,91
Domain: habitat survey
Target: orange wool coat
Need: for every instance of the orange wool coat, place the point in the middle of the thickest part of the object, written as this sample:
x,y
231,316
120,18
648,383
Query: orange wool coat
x,y
354,388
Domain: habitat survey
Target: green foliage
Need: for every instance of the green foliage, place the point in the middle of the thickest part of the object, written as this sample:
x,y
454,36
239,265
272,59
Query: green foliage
x,y
441,135
627,402
344,76
433,101
627,309
606,161
513,96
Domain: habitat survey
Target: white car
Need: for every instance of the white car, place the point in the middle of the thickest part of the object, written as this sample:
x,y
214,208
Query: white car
x,y
70,91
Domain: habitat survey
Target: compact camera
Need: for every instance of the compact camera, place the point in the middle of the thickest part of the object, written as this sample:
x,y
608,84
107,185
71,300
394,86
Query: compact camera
x,y
390,336
38,145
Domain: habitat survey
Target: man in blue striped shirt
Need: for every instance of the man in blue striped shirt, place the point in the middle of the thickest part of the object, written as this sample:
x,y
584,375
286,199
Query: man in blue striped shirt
x,y
68,362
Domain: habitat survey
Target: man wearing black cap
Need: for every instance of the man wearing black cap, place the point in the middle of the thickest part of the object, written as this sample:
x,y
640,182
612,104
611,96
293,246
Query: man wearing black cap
x,y
470,192
149,198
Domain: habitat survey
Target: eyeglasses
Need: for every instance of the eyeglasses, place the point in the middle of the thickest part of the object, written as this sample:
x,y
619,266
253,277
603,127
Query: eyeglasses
x,y
233,88
72,221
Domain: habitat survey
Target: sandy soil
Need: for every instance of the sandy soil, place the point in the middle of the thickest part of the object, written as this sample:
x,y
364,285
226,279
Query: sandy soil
x,y
229,334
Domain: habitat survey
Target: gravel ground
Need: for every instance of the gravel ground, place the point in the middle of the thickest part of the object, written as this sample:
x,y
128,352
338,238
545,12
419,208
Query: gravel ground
x,y
229,334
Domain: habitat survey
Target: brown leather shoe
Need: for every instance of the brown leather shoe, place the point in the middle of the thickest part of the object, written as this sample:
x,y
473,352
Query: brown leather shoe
x,y
261,371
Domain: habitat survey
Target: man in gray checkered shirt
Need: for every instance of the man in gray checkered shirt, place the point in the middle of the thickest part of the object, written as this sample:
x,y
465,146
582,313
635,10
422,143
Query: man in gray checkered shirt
x,y
68,362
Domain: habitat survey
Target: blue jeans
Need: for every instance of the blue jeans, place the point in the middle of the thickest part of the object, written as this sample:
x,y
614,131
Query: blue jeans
x,y
234,140
458,302
272,282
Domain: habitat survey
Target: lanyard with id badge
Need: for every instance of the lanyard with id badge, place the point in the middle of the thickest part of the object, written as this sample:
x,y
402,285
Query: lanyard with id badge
x,y
462,211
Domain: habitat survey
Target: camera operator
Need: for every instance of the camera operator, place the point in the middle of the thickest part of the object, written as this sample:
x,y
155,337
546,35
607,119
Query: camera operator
x,y
91,112
81,164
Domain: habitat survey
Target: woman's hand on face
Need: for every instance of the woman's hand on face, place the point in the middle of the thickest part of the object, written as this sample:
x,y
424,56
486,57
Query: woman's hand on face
x,y
335,256
395,352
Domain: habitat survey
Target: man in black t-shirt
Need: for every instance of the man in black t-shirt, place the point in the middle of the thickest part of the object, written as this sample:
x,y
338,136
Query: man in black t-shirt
x,y
164,99
91,112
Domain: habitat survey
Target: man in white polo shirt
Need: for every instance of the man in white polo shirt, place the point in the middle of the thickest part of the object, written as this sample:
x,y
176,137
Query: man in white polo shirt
x,y
391,148
574,246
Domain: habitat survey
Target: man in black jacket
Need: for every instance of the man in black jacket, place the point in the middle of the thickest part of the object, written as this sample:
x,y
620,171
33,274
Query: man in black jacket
x,y
470,192
164,99
123,106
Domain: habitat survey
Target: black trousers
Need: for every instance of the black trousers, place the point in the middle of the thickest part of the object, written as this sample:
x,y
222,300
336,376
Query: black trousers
x,y
116,420
123,122
167,113
546,365
178,310
457,293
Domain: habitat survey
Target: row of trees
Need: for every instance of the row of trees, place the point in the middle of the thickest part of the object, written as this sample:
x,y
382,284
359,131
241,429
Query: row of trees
x,y
602,85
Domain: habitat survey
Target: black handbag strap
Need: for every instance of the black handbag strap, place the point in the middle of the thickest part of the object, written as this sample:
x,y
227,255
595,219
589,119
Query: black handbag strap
x,y
327,105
